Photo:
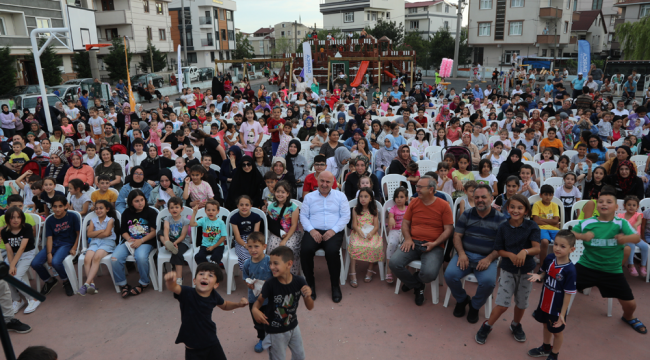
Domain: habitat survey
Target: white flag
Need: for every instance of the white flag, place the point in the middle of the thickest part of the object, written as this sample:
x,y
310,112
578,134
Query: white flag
x,y
307,64
179,76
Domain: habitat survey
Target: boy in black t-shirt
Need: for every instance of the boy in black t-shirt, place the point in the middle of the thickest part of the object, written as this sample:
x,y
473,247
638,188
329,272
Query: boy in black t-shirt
x,y
198,332
283,291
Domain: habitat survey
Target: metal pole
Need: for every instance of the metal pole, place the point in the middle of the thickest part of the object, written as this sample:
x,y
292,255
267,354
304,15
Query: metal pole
x,y
151,58
555,39
184,35
459,19
295,35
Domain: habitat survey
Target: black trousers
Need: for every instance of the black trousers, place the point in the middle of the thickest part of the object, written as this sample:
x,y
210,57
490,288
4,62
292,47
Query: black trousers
x,y
214,352
308,249
259,327
215,255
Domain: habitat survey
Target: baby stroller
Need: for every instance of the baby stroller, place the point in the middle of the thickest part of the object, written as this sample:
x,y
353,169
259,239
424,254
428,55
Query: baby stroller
x,y
457,151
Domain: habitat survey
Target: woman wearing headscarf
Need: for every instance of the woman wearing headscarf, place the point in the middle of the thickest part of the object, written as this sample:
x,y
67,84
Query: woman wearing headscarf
x,y
351,142
360,166
8,122
79,170
58,166
385,156
282,172
308,130
35,127
374,136
622,153
153,163
401,161
625,181
125,118
296,163
245,181
444,115
511,166
249,94
336,163
133,182
349,130
167,189
226,105
228,168
359,117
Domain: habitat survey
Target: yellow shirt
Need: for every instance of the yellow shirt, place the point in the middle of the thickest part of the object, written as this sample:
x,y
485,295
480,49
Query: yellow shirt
x,y
546,212
109,196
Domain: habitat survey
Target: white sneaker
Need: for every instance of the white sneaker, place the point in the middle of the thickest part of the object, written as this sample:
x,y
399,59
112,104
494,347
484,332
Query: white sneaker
x,y
31,306
179,281
17,305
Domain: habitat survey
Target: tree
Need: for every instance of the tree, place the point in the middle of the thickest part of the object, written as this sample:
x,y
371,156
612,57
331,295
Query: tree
x,y
634,39
8,75
115,62
243,48
50,62
414,42
390,29
159,59
81,64
282,45
443,44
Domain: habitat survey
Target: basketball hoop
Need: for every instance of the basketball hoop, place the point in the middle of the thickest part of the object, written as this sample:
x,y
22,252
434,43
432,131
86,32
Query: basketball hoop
x,y
93,46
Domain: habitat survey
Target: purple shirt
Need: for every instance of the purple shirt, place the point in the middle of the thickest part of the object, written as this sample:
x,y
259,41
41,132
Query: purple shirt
x,y
260,107
632,124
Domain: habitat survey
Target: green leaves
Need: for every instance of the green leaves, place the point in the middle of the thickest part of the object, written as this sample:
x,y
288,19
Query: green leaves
x,y
8,73
159,59
390,29
115,61
81,64
243,48
634,39
50,62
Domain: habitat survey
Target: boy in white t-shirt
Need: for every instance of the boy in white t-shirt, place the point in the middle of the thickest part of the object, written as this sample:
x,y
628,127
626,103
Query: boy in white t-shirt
x,y
96,124
178,172
72,112
91,157
112,115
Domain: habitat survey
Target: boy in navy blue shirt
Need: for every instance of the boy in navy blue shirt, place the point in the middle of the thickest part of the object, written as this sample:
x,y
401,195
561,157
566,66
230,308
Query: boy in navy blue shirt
x,y
257,267
198,332
559,285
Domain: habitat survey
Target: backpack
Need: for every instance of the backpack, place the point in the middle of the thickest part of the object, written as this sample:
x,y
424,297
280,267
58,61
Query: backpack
x,y
457,151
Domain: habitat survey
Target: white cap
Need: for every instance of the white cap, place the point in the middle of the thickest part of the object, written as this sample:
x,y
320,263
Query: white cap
x,y
579,73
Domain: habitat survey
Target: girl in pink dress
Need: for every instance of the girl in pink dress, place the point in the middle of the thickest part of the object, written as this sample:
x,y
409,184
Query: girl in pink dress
x,y
365,240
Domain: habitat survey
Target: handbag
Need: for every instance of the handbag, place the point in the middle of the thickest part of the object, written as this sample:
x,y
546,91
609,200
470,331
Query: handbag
x,y
274,225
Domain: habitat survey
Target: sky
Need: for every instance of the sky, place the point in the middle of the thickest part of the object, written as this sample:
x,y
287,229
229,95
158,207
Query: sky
x,y
254,14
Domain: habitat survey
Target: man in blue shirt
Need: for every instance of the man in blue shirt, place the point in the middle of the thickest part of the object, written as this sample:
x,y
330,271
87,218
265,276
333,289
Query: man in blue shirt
x,y
120,85
324,216
396,93
577,84
477,92
629,88
84,99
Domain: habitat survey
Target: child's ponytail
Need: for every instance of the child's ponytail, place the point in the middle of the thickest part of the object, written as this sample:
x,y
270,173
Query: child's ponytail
x,y
78,184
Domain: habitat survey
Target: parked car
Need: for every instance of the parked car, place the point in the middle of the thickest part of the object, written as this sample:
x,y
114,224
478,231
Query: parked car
x,y
206,73
20,90
28,101
88,84
143,80
193,71
67,92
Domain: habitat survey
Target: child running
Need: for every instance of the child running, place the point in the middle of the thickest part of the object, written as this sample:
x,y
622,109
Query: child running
x,y
365,240
395,217
244,222
102,241
175,235
256,270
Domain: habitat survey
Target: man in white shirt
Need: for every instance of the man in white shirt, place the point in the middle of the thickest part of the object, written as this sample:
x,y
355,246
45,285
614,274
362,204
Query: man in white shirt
x,y
620,109
189,98
487,91
324,216
517,91
591,83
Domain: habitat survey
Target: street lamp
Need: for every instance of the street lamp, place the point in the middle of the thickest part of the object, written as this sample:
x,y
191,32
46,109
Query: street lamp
x,y
459,18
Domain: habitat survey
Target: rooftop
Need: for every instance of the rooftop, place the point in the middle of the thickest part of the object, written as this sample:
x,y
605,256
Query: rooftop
x,y
421,4
587,19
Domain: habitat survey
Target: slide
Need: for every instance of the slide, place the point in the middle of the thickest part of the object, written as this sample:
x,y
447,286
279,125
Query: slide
x,y
388,74
360,73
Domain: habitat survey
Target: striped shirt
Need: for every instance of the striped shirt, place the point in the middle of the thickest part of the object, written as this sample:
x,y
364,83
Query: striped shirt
x,y
479,232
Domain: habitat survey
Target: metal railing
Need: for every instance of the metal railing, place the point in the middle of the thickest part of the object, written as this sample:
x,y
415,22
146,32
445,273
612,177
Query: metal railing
x,y
205,20
207,42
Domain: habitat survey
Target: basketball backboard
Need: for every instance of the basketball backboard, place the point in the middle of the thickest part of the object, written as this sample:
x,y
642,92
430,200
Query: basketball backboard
x,y
83,29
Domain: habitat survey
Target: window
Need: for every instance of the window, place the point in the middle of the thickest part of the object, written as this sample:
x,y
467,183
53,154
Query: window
x,y
348,17
216,14
484,29
107,5
485,5
446,25
281,33
373,16
414,25
413,10
222,16
568,4
566,27
216,35
43,23
231,35
146,5
446,9
191,58
552,52
644,11
162,35
597,4
211,55
111,34
190,40
282,25
289,33
544,52
298,32
3,29
209,38
223,35
159,8
507,56
388,15
229,15
516,28
517,3
149,34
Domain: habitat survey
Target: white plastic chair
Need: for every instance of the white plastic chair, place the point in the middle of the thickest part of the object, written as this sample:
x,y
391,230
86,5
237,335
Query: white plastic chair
x,y
197,238
106,261
230,255
570,153
346,264
435,284
392,182
344,170
427,165
555,182
54,146
640,161
535,198
644,204
122,160
164,255
577,206
60,188
471,278
67,262
447,196
546,170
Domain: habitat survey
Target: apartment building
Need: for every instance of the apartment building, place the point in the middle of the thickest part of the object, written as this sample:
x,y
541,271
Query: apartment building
x,y
628,10
140,21
610,15
210,28
500,28
591,27
263,41
354,15
427,17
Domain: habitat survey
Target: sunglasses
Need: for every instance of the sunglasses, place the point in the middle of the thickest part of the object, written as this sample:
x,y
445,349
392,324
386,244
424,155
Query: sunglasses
x,y
246,164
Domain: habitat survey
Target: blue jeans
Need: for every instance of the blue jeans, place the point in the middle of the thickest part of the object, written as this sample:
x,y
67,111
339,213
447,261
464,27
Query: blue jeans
x,y
141,260
59,253
274,147
643,246
486,279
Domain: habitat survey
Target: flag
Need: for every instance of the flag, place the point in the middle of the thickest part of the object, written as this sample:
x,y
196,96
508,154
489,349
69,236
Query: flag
x,y
584,57
179,76
307,67
128,78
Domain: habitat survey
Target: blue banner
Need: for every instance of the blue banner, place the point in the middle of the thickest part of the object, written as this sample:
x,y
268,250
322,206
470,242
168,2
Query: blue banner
x,y
584,57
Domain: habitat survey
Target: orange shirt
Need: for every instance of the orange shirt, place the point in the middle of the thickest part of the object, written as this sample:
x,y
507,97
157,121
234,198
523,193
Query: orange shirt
x,y
427,222
557,143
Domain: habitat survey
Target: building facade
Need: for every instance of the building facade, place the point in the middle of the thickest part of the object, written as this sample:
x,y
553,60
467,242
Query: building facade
x,y
501,28
610,16
354,15
591,27
210,29
141,21
427,17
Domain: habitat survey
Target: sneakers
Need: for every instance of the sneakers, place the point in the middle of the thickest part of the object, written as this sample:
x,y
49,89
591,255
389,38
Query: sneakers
x,y
459,309
48,286
92,290
68,288
31,306
518,332
419,295
83,290
483,332
16,326
179,281
540,351
258,347
552,356
170,246
17,305
472,314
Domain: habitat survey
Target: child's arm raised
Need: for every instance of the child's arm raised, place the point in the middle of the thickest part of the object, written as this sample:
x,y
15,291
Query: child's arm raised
x,y
22,179
229,305
193,219
186,192
172,285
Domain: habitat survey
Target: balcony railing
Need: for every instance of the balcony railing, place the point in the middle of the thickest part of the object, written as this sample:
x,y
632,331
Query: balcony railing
x,y
576,16
548,39
205,20
207,42
573,40
550,12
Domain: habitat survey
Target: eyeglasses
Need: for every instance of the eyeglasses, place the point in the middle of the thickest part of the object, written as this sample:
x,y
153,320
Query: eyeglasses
x,y
246,164
421,186
320,164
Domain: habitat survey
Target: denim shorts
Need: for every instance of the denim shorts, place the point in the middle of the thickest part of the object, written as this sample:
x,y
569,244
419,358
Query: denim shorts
x,y
102,244
548,235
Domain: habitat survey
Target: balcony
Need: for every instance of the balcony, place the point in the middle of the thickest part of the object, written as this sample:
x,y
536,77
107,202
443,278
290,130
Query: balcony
x,y
113,17
573,40
207,42
205,20
549,12
615,45
618,22
576,16
548,39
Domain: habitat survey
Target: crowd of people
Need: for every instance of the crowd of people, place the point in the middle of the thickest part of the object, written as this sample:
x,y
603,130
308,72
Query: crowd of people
x,y
308,144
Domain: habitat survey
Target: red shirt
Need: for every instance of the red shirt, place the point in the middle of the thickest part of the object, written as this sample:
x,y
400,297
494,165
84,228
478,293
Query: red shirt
x,y
423,121
311,184
275,124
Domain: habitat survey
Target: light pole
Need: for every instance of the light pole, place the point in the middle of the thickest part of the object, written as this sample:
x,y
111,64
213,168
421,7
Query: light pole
x,y
459,19
184,31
